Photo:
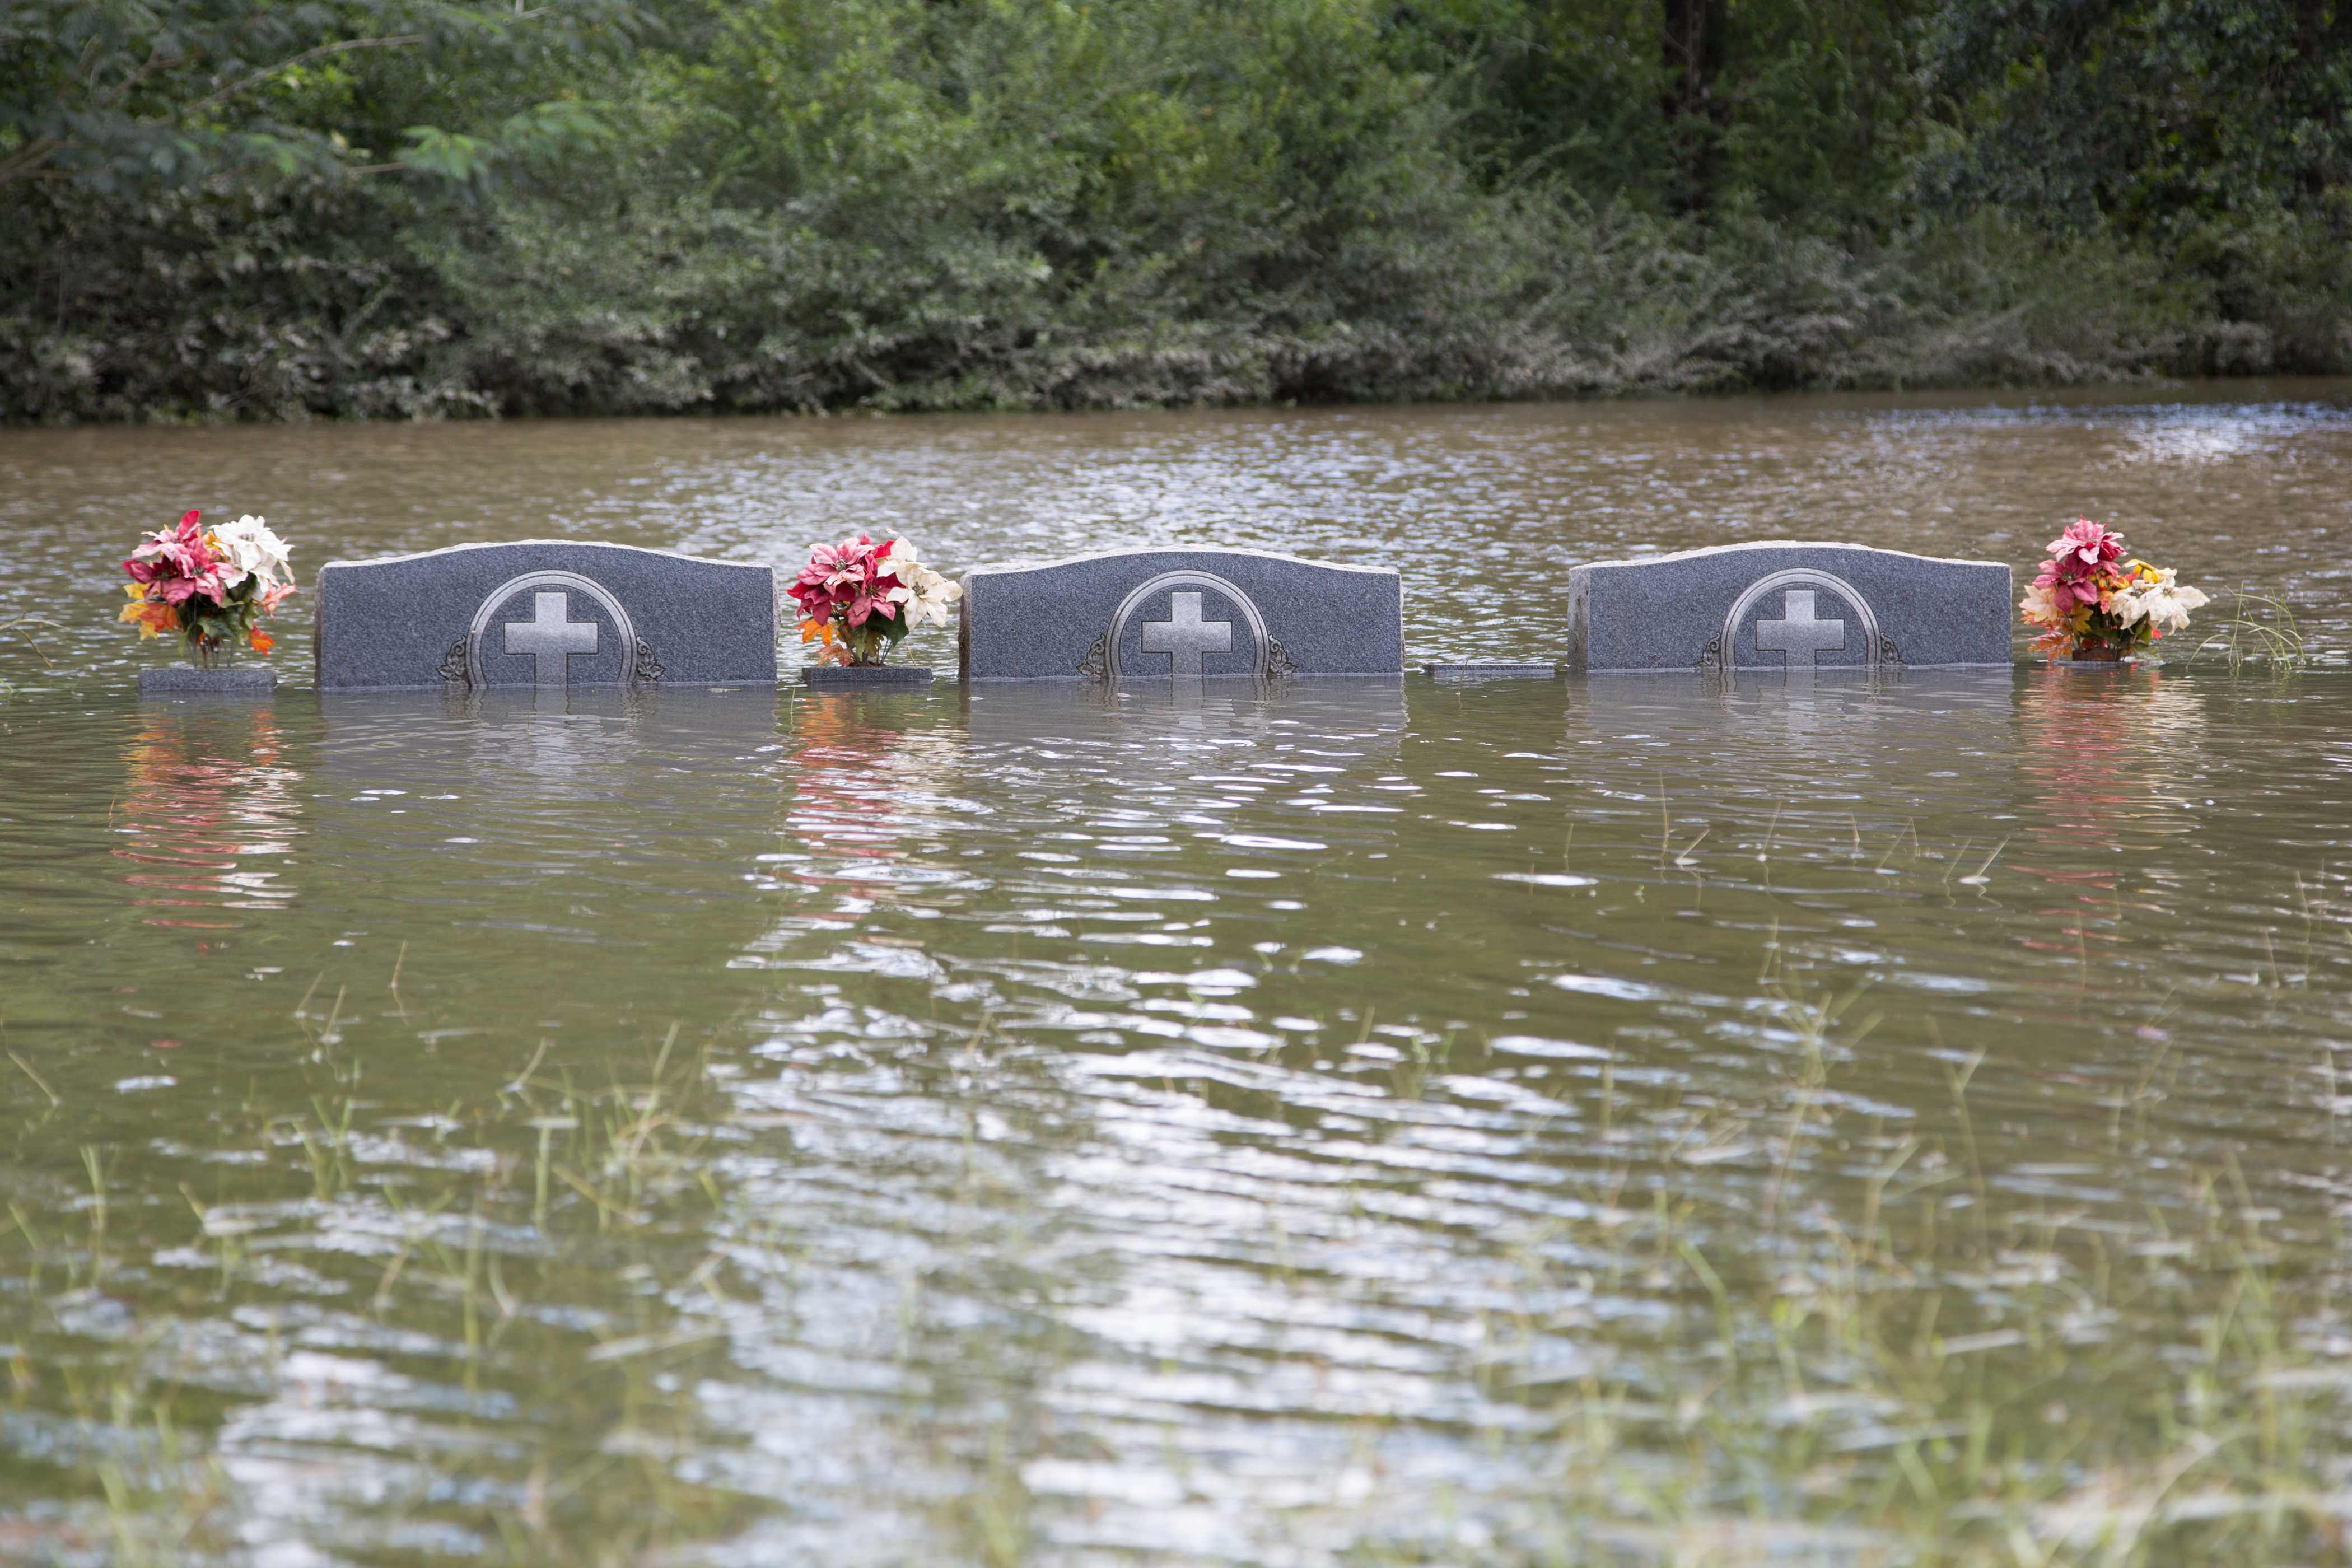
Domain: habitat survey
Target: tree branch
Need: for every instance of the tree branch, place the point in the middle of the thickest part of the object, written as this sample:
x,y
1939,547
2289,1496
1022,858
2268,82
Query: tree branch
x,y
121,89
29,157
401,41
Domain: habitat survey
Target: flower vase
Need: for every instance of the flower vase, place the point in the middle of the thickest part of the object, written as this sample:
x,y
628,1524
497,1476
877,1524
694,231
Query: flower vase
x,y
1491,669
2094,656
208,672
874,677
207,681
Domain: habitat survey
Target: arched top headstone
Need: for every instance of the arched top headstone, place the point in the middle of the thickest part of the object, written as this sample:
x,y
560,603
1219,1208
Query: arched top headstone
x,y
544,613
1790,606
1141,616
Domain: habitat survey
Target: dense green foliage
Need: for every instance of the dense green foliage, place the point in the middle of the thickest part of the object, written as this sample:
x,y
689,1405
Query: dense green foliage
x,y
242,208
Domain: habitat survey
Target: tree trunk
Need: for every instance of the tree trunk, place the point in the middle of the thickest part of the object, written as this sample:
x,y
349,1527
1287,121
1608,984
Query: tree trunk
x,y
2314,38
1692,52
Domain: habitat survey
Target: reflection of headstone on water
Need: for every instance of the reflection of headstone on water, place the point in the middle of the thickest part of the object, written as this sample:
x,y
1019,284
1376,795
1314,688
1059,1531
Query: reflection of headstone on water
x,y
529,746
1140,733
1141,810
1935,753
631,824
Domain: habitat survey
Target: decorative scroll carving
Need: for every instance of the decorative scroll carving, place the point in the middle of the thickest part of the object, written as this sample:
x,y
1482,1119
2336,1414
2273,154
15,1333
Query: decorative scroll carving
x,y
647,669
456,667
1277,661
1095,666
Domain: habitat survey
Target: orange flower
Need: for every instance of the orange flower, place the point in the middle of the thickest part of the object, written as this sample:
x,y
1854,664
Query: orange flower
x,y
259,640
153,615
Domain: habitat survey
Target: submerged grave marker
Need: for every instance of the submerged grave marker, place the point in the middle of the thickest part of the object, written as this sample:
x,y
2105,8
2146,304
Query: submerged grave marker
x,y
1788,605
546,615
1180,616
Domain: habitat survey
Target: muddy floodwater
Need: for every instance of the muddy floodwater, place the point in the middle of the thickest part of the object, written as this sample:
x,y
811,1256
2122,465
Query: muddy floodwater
x,y
1575,1122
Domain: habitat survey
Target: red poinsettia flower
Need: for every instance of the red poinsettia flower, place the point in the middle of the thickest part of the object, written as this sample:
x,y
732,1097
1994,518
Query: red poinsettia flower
x,y
176,564
868,605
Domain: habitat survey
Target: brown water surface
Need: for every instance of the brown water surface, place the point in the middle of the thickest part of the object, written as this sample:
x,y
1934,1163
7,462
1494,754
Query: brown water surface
x,y
1530,1122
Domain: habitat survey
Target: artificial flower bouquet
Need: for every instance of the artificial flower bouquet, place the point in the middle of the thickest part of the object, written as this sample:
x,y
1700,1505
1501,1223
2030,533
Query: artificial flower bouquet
x,y
2091,603
210,585
858,596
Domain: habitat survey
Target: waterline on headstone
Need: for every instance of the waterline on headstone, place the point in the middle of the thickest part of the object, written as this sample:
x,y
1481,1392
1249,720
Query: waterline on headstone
x,y
1176,616
1790,607
548,613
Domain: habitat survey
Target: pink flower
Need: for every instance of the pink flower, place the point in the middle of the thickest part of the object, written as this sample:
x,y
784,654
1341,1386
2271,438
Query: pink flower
x,y
179,565
2085,547
179,590
2066,591
181,548
867,606
2082,569
834,570
848,579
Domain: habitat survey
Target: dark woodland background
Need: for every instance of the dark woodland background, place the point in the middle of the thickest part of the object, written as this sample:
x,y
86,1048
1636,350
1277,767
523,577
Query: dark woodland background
x,y
243,209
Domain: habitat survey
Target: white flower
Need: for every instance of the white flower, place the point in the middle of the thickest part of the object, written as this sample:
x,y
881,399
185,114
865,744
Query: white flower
x,y
925,594
251,547
2038,606
2164,601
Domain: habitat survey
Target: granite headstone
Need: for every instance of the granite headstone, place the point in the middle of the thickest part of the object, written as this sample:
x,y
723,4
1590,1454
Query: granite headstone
x,y
1788,607
1179,617
544,613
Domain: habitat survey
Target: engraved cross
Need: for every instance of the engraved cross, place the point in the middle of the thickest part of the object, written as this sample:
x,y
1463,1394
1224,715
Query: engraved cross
x,y
1184,636
1797,634
551,637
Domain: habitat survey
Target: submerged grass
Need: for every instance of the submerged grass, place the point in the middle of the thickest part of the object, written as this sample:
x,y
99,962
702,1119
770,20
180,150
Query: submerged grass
x,y
1792,1329
1915,1390
490,1265
2262,633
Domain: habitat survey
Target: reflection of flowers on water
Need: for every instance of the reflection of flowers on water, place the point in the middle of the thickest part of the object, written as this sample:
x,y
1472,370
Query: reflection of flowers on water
x,y
204,804
2107,757
867,802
